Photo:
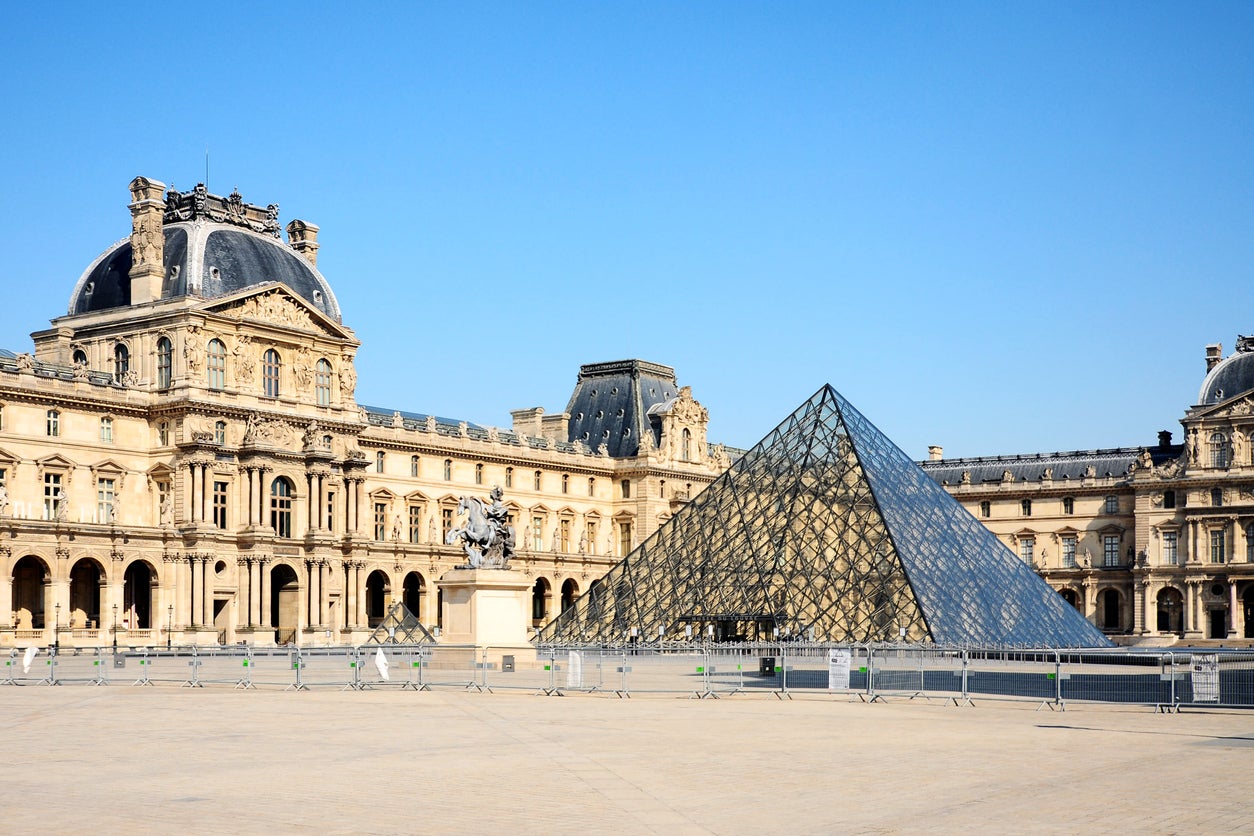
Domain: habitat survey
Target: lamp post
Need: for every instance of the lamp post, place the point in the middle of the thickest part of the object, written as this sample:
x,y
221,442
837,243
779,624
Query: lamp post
x,y
56,626
115,629
169,630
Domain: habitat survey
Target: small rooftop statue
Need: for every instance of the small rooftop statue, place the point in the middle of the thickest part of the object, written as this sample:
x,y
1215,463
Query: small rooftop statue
x,y
487,537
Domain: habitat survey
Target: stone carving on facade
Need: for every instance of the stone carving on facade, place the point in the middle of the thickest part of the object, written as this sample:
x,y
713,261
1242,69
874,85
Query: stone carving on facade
x,y
245,361
276,308
302,367
4,500
80,370
144,248
62,504
966,478
193,351
166,512
1240,454
313,438
646,441
198,203
273,433
1007,476
348,377
429,424
494,435
719,458
1191,446
25,362
487,537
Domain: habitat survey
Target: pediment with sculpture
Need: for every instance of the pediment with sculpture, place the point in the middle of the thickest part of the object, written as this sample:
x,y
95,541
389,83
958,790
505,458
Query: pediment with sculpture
x,y
275,304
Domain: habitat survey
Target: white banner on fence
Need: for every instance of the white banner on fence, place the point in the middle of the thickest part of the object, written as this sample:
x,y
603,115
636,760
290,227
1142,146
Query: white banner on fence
x,y
838,670
1205,677
574,670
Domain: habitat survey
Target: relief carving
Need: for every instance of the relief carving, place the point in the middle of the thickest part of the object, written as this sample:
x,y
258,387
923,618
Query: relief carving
x,y
348,377
274,307
245,360
193,351
302,368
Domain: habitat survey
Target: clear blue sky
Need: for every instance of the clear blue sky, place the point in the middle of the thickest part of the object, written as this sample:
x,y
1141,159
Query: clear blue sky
x,y
998,227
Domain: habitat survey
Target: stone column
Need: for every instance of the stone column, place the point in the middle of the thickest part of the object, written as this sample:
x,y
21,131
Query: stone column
x,y
189,494
1192,605
1141,594
362,619
263,587
206,493
1232,609
206,585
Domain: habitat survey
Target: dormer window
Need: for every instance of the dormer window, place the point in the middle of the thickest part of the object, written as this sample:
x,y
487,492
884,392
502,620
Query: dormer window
x,y
121,362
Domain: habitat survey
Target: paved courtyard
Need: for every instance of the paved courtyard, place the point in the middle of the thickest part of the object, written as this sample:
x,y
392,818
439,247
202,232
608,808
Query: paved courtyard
x,y
167,760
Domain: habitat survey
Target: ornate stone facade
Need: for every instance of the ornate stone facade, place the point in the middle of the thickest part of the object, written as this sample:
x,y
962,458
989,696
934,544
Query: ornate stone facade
x,y
193,467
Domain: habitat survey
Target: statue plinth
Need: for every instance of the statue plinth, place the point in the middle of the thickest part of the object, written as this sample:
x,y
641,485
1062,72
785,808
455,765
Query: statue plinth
x,y
485,607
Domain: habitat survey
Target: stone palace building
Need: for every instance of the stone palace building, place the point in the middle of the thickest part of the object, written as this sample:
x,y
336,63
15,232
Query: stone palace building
x,y
182,459
1152,544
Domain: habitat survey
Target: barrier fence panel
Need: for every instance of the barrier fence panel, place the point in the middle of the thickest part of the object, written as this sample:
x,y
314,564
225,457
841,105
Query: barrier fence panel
x,y
1136,678
453,666
520,668
1025,674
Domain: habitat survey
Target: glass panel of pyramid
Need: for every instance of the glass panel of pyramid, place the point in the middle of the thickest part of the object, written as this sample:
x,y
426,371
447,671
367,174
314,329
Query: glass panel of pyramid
x,y
824,530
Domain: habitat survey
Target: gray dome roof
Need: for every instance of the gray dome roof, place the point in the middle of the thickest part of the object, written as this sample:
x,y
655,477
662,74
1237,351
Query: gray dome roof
x,y
1231,377
205,259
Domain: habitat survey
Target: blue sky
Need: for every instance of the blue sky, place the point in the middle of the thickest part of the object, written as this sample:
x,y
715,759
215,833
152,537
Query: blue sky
x,y
997,227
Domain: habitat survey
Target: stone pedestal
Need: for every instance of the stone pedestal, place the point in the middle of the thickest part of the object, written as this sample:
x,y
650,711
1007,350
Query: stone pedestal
x,y
485,607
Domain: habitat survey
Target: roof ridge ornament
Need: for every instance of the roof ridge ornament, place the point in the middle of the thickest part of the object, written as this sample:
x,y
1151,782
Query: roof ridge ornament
x,y
198,204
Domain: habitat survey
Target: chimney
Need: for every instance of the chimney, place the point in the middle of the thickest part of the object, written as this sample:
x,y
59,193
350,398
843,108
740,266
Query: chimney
x,y
1164,439
1214,353
303,237
935,452
147,240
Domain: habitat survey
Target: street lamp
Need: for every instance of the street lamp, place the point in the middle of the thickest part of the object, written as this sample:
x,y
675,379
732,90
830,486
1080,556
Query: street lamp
x,y
56,626
169,630
115,629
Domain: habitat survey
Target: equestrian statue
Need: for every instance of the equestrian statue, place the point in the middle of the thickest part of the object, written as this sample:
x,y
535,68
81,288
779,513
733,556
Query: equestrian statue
x,y
487,536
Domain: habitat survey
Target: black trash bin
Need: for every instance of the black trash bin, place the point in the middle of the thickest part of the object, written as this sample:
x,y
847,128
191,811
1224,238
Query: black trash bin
x,y
766,666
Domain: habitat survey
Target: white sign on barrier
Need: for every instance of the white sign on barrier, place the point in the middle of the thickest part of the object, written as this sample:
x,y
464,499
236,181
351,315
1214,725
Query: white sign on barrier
x,y
1205,677
574,670
838,670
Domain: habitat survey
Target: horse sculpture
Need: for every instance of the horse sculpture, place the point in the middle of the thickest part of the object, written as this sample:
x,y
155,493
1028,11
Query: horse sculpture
x,y
487,539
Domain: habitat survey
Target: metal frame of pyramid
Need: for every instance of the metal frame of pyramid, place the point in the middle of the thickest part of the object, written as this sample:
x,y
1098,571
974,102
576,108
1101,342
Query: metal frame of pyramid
x,y
824,530
400,626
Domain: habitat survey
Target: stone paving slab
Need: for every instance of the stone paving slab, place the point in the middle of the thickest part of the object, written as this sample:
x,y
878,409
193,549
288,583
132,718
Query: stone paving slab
x,y
165,760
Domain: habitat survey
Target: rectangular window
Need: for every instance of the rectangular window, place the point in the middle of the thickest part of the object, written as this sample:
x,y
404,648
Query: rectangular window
x,y
52,495
537,483
591,544
1218,546
446,523
1169,499
448,470
986,509
563,527
626,486
592,487
415,523
1026,507
330,511
1171,548
1068,505
219,505
1110,550
105,497
163,434
1112,504
54,423
1068,552
509,477
1027,549
106,430
624,538
380,520
537,533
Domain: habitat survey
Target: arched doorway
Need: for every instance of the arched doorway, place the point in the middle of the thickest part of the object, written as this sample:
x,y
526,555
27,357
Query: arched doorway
x,y
86,578
570,592
137,586
540,602
1070,596
284,603
412,591
30,593
378,588
1109,610
1247,606
1170,611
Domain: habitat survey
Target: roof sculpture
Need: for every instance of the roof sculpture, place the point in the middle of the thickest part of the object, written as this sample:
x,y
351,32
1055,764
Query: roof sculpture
x,y
825,530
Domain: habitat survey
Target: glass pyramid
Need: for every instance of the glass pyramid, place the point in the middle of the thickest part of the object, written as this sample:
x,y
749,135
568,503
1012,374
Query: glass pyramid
x,y
825,530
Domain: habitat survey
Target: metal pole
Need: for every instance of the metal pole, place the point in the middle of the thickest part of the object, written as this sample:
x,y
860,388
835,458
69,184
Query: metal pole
x,y
169,630
115,629
56,626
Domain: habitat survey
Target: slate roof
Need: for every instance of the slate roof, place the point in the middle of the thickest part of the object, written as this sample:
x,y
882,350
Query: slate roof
x,y
1030,467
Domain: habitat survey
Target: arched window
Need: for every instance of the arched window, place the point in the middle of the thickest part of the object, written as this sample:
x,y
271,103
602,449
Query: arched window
x,y
448,470
685,446
565,483
322,382
281,493
121,362
165,363
80,357
413,465
537,481
378,462
1218,450
270,365
478,474
219,432
592,487
54,423
215,365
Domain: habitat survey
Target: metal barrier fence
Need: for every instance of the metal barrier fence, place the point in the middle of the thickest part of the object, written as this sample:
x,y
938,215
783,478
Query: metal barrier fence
x,y
1168,680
